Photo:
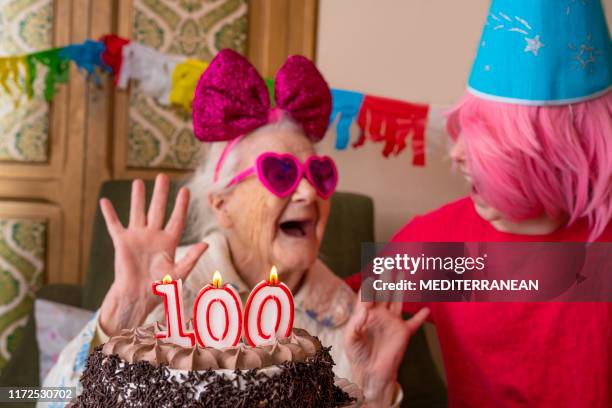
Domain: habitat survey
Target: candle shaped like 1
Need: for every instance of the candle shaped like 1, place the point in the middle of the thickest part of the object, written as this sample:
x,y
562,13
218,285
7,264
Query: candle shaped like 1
x,y
217,315
171,291
269,311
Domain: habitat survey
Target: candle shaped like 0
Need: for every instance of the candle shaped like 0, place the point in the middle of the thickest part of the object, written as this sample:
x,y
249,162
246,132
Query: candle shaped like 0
x,y
171,291
269,311
217,315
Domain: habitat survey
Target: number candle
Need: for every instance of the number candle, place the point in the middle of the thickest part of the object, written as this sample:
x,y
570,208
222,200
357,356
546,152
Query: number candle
x,y
171,291
217,315
269,311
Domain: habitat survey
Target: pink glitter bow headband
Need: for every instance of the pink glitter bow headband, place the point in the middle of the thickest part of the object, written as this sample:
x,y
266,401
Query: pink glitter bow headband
x,y
232,99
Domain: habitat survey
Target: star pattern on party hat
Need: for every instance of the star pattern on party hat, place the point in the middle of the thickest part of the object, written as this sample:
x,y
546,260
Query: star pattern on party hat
x,y
543,52
585,54
502,21
518,25
533,45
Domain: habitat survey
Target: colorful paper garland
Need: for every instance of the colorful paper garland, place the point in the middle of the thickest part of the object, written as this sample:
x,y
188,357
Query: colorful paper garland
x,y
172,80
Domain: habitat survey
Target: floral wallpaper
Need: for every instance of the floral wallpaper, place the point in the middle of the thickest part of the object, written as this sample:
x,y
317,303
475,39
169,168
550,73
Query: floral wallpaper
x,y
22,262
162,137
25,26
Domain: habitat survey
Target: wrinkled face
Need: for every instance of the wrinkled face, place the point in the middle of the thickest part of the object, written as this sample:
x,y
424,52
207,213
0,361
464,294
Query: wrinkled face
x,y
459,156
285,232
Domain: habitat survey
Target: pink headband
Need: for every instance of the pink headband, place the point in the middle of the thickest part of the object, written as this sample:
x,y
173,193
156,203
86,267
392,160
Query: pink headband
x,y
232,100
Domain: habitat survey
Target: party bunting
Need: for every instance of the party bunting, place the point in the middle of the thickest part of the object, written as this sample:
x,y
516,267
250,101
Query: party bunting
x,y
392,122
58,68
113,53
172,79
346,105
9,70
152,69
270,86
184,81
87,56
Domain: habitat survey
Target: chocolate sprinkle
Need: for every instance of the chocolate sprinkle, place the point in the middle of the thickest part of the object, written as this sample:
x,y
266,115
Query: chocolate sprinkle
x,y
109,381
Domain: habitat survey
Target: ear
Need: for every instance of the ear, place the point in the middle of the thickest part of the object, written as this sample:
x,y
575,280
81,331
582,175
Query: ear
x,y
218,205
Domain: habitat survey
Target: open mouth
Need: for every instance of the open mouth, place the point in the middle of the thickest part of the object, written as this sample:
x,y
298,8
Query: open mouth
x,y
296,228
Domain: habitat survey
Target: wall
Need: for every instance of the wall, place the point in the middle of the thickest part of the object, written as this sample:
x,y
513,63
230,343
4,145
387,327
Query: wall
x,y
417,50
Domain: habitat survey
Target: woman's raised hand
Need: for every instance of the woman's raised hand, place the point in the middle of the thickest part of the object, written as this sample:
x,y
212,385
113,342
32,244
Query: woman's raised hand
x,y
375,340
144,252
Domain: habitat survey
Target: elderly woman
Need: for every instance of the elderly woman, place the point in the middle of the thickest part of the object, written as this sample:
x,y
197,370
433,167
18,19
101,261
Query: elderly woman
x,y
259,200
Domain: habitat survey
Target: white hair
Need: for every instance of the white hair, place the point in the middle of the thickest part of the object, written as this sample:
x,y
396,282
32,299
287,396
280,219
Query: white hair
x,y
202,221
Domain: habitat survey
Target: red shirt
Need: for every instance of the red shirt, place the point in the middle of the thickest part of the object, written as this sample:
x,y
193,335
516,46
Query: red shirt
x,y
516,354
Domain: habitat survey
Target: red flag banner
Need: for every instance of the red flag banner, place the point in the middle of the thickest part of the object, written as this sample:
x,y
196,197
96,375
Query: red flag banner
x,y
392,122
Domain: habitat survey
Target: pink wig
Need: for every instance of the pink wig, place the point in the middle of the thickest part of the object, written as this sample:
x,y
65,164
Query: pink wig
x,y
532,160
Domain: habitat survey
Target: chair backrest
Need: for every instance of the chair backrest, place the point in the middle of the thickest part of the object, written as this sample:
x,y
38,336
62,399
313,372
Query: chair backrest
x,y
351,222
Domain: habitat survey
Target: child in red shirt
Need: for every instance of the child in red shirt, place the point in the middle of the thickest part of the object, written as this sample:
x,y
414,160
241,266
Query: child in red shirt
x,y
516,354
533,136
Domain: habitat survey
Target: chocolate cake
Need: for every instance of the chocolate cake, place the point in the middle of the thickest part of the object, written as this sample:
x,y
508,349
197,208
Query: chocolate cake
x,y
134,369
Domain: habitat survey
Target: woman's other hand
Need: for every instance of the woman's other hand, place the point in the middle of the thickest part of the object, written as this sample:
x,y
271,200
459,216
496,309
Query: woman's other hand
x,y
144,252
375,341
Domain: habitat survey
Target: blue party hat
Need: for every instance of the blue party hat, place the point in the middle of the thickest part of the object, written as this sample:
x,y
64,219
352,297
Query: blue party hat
x,y
543,52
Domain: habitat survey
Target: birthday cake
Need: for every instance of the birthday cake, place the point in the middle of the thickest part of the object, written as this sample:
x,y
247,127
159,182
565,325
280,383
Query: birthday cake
x,y
136,369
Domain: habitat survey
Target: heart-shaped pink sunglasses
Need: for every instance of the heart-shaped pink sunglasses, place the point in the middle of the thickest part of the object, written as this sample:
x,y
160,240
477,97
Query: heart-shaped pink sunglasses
x,y
281,173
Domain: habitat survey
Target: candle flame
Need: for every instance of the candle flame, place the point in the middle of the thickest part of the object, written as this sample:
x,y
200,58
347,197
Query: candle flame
x,y
167,279
273,276
217,280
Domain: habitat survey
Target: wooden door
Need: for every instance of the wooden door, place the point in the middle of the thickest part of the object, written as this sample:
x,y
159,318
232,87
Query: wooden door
x,y
55,156
41,165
